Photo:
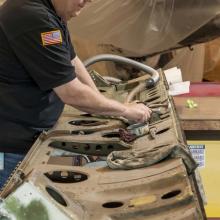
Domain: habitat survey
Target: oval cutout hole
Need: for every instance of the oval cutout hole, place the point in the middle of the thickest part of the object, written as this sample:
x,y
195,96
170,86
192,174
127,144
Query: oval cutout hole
x,y
66,176
164,116
110,147
162,131
98,147
101,90
75,147
87,147
86,115
171,194
112,205
87,122
153,99
111,135
56,196
82,132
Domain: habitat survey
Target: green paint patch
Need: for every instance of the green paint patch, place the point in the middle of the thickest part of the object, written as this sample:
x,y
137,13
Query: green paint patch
x,y
35,210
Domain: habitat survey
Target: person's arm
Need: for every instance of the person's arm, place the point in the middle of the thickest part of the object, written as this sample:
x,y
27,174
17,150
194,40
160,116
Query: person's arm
x,y
85,98
82,73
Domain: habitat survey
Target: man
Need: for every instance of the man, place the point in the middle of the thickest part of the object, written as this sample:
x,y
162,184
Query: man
x,y
39,72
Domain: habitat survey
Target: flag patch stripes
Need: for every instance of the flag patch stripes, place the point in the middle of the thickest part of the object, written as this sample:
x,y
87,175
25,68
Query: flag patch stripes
x,y
51,37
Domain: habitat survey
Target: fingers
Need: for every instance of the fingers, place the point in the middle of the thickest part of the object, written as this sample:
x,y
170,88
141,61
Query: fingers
x,y
145,113
145,117
137,112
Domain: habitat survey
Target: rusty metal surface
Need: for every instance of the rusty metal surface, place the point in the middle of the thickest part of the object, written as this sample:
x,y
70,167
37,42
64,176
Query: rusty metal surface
x,y
91,190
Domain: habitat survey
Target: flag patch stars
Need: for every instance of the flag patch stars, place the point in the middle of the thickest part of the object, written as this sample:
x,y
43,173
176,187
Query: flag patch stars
x,y
51,37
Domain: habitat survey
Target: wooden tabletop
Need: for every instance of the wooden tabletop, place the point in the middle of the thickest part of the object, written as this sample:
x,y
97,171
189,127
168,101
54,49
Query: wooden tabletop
x,y
205,117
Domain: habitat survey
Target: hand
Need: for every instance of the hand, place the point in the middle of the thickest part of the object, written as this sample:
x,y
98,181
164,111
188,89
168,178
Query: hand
x,y
137,112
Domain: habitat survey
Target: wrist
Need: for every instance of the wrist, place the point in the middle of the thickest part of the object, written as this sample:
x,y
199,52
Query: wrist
x,y
124,112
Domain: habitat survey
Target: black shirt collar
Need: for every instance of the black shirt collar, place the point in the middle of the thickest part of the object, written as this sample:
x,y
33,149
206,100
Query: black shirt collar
x,y
49,4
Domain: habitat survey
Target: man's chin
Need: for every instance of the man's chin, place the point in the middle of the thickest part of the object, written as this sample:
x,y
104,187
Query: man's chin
x,y
70,16
77,13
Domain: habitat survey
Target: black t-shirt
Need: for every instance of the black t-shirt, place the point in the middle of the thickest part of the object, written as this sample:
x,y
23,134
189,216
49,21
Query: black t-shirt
x,y
35,57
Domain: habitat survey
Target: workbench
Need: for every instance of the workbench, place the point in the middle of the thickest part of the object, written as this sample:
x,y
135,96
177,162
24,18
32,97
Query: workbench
x,y
204,117
202,130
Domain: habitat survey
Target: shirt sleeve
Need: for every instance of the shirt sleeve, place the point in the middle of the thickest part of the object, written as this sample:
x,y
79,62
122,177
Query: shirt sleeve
x,y
72,50
46,55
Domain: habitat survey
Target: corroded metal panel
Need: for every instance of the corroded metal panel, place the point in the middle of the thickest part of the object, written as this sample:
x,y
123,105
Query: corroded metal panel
x,y
99,186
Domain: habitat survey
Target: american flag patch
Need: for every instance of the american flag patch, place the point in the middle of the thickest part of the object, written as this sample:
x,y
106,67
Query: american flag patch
x,y
51,37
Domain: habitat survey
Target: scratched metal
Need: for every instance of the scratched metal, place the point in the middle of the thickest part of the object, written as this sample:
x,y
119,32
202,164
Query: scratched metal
x,y
92,190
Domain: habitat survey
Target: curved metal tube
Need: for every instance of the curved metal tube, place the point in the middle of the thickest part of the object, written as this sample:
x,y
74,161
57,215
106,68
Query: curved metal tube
x,y
134,92
112,79
151,82
115,58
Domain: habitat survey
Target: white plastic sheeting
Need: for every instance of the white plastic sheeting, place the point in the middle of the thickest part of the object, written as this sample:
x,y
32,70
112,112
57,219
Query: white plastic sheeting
x,y
142,27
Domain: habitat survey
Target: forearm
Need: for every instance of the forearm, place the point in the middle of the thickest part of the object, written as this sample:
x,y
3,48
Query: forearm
x,y
86,99
82,73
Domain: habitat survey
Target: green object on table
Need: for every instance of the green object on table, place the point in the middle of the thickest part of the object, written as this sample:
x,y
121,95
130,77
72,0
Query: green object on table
x,y
191,104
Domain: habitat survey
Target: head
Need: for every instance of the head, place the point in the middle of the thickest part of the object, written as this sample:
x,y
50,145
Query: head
x,y
67,9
